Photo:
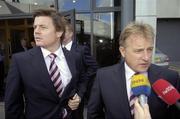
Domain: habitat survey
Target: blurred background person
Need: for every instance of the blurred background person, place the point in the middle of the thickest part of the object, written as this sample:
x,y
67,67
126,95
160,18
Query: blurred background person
x,y
89,62
33,44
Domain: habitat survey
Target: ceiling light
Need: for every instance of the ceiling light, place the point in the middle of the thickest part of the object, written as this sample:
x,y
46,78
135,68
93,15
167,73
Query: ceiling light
x,y
35,3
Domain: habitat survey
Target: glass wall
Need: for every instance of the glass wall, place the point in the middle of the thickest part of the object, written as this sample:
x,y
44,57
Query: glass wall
x,y
83,29
24,6
105,38
74,4
107,3
97,26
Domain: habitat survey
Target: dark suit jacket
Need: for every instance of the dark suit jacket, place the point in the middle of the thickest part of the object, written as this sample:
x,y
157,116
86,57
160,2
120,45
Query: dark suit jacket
x,y
29,81
90,67
109,98
89,62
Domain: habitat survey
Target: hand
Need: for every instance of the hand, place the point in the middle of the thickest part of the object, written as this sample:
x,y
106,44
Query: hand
x,y
74,102
141,112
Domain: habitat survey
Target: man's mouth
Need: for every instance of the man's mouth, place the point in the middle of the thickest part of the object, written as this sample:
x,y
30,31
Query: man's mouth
x,y
37,38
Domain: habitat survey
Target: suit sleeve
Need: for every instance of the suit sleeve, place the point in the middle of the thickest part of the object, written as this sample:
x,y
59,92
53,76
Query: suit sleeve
x,y
173,78
82,79
175,112
91,67
88,69
95,104
14,104
90,63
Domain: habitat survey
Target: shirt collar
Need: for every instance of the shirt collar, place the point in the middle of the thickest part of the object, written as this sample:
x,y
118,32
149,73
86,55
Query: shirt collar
x,y
69,45
128,72
58,52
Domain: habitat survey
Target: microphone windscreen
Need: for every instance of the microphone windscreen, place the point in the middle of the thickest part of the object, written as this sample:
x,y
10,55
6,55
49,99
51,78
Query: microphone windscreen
x,y
140,85
166,91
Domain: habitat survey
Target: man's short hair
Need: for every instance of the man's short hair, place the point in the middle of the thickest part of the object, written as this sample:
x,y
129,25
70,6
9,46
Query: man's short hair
x,y
57,18
138,28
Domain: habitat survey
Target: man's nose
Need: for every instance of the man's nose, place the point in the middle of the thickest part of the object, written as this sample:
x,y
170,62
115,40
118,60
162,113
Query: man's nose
x,y
146,56
37,30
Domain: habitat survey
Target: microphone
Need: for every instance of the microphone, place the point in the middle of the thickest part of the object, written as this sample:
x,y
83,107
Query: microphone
x,y
141,88
167,92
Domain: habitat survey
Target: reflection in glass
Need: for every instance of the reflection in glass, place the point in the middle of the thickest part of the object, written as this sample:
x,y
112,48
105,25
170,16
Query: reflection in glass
x,y
34,2
161,58
104,3
24,6
74,4
107,3
83,29
103,31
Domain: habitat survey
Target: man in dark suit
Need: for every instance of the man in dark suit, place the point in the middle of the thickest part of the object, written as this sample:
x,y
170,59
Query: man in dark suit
x,y
89,63
42,80
110,94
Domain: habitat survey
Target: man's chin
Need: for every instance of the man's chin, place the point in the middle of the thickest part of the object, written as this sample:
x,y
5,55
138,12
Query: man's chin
x,y
143,70
39,44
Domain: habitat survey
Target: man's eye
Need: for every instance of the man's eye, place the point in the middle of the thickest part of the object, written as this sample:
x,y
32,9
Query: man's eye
x,y
138,51
44,27
151,49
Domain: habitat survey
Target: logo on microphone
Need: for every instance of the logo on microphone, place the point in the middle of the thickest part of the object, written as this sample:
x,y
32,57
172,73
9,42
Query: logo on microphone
x,y
139,80
167,89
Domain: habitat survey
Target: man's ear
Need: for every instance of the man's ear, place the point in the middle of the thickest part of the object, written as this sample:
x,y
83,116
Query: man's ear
x,y
122,51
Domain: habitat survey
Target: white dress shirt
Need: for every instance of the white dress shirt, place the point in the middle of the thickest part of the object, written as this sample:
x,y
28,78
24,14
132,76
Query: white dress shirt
x,y
129,73
68,46
61,62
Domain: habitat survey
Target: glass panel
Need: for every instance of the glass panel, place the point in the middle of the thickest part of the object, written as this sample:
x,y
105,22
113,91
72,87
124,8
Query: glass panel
x,y
2,23
83,29
34,2
107,3
74,4
105,38
21,6
15,22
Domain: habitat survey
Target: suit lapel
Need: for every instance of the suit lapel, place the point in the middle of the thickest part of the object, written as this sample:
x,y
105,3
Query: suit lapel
x,y
39,67
70,60
74,45
120,80
153,74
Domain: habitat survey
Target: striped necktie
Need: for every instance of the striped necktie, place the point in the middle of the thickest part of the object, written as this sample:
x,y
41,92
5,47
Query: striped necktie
x,y
131,103
132,100
55,75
